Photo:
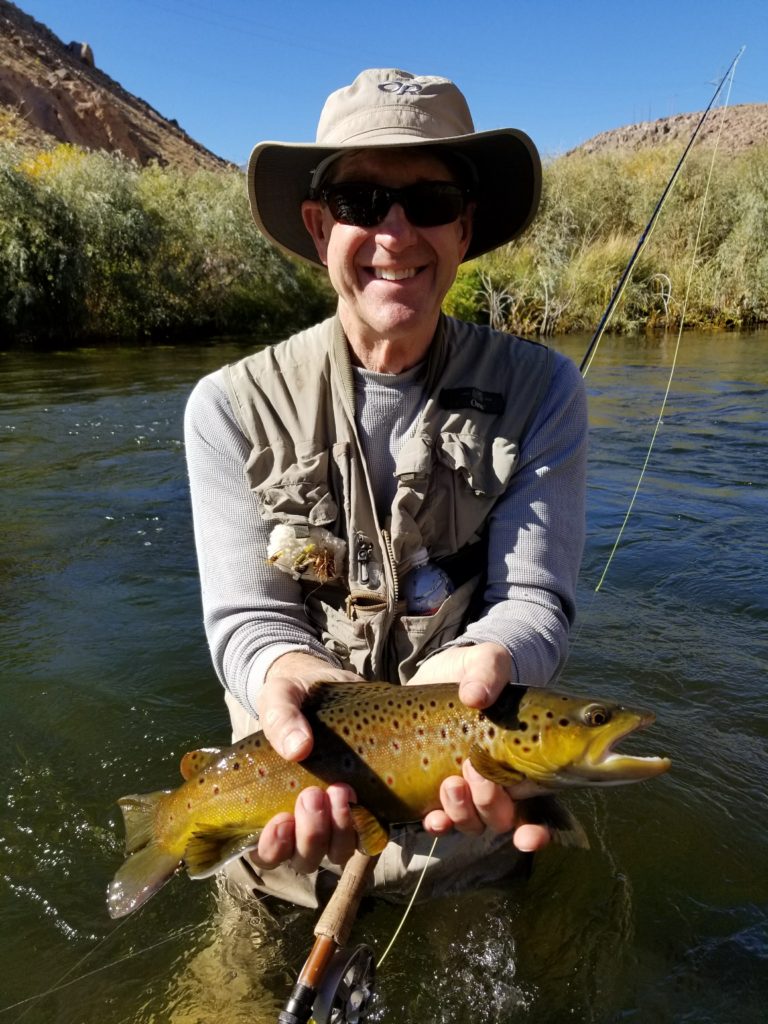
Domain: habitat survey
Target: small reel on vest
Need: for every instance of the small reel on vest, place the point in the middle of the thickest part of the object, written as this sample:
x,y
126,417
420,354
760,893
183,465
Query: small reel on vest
x,y
345,992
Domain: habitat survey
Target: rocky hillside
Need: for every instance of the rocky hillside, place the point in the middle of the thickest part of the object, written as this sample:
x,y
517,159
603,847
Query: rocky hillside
x,y
55,92
743,126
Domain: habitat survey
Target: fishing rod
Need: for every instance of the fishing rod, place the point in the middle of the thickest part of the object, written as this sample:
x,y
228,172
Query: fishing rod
x,y
334,985
619,290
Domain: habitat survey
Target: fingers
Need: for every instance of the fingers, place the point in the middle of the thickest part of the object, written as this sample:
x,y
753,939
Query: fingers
x,y
321,826
471,804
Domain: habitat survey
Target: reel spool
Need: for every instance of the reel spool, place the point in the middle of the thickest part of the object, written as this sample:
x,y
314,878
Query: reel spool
x,y
345,992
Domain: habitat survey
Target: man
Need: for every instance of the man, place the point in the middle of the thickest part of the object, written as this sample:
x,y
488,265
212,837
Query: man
x,y
391,494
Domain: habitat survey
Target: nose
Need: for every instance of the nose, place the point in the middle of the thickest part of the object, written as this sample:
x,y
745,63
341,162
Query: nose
x,y
395,230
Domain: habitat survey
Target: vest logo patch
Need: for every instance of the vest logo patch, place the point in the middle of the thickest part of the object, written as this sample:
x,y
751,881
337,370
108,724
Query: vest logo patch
x,y
472,398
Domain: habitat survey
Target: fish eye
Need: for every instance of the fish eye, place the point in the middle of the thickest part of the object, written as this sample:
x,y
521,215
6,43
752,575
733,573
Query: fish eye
x,y
596,714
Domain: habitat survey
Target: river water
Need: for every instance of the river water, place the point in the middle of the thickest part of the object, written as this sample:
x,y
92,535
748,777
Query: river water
x,y
106,681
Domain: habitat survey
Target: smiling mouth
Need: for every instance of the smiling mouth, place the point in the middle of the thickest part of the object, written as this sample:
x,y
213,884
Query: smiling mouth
x,y
382,274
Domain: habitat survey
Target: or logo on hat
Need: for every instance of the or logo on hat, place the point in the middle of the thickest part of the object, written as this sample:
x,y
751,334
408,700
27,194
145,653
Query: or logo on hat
x,y
401,88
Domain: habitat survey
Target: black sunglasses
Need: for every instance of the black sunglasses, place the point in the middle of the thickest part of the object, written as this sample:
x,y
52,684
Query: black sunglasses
x,y
427,204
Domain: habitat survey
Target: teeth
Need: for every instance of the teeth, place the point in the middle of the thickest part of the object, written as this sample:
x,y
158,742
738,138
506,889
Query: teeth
x,y
393,275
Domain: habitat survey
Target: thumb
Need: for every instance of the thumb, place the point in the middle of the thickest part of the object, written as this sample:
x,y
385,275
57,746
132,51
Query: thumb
x,y
287,730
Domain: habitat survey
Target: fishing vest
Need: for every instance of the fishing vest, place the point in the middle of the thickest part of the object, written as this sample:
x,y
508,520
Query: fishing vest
x,y
295,403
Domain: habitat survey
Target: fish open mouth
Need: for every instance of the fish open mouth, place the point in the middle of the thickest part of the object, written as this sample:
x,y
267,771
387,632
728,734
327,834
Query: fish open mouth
x,y
605,765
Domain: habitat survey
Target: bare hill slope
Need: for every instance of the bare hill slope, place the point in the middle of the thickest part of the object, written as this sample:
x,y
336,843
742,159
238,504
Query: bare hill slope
x,y
52,92
743,126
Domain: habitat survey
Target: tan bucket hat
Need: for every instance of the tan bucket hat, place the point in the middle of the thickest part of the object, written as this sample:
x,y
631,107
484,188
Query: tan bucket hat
x,y
385,107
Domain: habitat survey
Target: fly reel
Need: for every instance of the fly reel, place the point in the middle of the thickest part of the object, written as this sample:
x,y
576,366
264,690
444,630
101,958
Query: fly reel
x,y
345,993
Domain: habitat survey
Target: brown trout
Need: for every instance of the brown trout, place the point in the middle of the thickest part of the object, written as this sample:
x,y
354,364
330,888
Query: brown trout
x,y
394,745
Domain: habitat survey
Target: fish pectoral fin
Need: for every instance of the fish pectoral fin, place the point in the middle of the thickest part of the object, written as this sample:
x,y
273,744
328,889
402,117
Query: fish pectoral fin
x,y
194,761
492,769
372,836
140,877
209,849
565,828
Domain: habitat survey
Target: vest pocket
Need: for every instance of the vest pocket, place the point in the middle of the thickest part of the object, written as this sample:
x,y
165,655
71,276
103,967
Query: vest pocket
x,y
298,493
485,464
415,636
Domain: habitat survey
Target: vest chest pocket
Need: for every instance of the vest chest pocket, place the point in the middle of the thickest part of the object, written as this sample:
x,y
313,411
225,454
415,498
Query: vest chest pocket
x,y
469,474
292,491
485,464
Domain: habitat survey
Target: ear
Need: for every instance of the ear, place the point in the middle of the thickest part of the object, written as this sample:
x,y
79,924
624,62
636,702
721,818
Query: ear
x,y
466,222
316,223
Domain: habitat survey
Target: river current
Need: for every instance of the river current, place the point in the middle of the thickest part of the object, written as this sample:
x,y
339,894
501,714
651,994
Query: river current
x,y
106,681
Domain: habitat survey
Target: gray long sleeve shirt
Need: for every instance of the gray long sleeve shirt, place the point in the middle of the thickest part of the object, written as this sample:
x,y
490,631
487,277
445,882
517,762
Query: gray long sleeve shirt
x,y
253,613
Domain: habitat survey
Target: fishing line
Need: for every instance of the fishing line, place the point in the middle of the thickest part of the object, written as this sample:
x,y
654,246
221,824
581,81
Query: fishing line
x,y
624,280
60,985
673,367
407,910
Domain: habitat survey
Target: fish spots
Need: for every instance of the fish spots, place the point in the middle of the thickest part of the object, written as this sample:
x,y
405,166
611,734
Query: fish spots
x,y
201,781
433,703
292,783
443,733
395,723
216,790
396,746
390,780
246,799
464,728
459,760
564,722
262,771
491,732
425,761
420,731
189,805
346,730
236,766
535,738
550,714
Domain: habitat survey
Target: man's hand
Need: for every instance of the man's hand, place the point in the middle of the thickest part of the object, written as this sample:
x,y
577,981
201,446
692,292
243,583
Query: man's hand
x,y
320,825
471,803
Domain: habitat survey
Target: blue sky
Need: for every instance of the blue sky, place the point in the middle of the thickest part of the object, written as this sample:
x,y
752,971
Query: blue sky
x,y
234,72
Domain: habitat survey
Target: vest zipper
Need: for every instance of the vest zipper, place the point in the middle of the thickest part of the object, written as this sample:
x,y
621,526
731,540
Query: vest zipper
x,y
392,567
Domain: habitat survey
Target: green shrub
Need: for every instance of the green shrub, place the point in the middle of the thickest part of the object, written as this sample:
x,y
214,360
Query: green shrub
x,y
92,246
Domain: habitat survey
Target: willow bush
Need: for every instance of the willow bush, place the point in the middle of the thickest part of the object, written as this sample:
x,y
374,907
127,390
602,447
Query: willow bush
x,y
93,246
561,274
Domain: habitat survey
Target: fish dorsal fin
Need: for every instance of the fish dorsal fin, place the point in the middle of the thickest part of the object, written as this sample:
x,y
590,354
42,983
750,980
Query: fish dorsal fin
x,y
194,762
209,849
492,769
371,834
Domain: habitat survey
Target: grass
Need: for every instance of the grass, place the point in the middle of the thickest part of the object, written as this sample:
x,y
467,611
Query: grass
x,y
560,276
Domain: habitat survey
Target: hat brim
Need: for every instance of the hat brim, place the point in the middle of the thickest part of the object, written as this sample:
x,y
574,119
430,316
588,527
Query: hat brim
x,y
508,188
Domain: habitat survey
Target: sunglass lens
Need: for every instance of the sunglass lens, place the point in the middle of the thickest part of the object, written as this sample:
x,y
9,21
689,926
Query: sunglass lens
x,y
432,203
354,204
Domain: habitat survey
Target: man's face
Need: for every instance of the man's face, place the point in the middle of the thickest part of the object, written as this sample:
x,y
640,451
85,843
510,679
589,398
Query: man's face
x,y
391,278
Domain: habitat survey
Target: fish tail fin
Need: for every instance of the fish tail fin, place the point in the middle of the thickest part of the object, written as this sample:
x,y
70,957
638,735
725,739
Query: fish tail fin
x,y
148,867
565,828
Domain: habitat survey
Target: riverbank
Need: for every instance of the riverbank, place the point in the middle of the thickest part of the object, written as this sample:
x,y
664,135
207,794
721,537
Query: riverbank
x,y
94,248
